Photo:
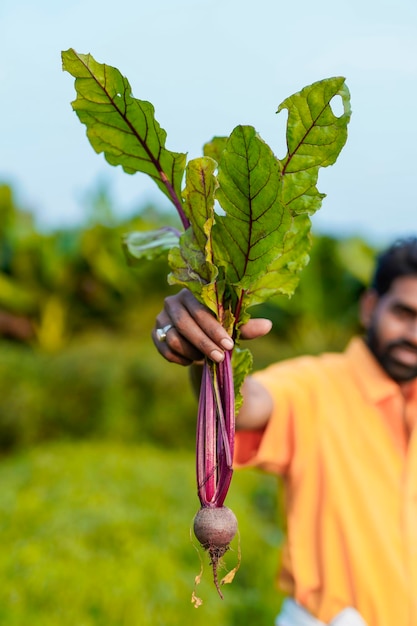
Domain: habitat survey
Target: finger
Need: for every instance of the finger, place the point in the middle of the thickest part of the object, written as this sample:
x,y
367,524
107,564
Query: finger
x,y
168,353
198,326
171,347
206,320
175,342
256,327
174,346
189,339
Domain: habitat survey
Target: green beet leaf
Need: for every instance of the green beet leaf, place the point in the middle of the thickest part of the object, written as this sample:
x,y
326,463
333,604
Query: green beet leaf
x,y
283,274
242,363
262,241
215,147
315,136
150,244
256,243
251,233
122,127
192,262
270,210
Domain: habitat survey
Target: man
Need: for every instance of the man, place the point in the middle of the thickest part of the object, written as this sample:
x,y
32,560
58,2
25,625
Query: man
x,y
339,429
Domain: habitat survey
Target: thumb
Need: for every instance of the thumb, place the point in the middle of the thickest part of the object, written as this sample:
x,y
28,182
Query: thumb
x,y
256,327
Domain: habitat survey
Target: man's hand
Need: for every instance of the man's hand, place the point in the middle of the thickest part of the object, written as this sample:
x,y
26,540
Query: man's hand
x,y
191,332
194,331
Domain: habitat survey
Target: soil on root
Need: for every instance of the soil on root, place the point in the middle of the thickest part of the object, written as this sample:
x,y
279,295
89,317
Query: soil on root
x,y
216,554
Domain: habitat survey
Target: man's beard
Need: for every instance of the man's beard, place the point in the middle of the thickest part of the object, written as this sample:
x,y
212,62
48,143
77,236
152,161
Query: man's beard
x,y
400,372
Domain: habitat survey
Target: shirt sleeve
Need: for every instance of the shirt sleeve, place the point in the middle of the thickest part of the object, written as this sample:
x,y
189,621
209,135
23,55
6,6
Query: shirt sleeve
x,y
272,448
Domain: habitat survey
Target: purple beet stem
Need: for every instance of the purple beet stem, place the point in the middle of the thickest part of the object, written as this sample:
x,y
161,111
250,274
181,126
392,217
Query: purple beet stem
x,y
216,415
215,433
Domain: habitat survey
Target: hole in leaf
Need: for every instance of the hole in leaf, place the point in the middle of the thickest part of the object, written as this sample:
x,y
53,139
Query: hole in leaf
x,y
218,208
336,105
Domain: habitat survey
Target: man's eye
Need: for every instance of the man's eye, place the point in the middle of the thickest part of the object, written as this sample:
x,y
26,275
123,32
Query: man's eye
x,y
404,314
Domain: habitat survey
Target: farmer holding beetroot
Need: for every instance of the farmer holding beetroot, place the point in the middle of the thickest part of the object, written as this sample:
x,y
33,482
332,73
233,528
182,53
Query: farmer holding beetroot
x,y
339,429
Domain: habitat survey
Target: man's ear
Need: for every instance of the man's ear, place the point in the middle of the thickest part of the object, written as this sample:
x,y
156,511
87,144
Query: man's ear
x,y
367,307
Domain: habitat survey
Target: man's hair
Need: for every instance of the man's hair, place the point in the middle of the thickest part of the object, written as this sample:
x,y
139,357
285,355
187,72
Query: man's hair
x,y
400,259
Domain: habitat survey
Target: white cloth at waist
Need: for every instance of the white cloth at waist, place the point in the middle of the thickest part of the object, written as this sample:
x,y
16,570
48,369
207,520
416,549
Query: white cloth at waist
x,y
293,614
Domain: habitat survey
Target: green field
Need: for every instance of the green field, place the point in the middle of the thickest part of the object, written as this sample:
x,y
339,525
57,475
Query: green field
x,y
99,534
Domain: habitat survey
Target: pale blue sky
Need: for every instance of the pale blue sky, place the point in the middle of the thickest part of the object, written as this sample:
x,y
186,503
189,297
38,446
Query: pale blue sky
x,y
206,67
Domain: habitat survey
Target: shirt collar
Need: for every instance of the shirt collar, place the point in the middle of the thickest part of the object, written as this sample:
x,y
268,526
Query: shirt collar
x,y
371,377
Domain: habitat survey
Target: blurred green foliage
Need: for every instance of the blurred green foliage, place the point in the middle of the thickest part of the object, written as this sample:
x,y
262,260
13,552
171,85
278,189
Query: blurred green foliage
x,y
102,387
77,359
97,431
72,281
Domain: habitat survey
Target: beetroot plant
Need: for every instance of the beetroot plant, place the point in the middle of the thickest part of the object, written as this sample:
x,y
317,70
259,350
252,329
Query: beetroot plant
x,y
246,235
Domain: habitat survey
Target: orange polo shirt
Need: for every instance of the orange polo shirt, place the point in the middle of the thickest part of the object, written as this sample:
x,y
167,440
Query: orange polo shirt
x,y
342,436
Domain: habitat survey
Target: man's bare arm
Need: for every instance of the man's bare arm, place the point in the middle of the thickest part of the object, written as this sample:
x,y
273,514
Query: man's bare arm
x,y
256,407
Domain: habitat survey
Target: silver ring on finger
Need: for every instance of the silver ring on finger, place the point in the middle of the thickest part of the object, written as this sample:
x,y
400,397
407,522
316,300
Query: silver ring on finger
x,y
161,333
